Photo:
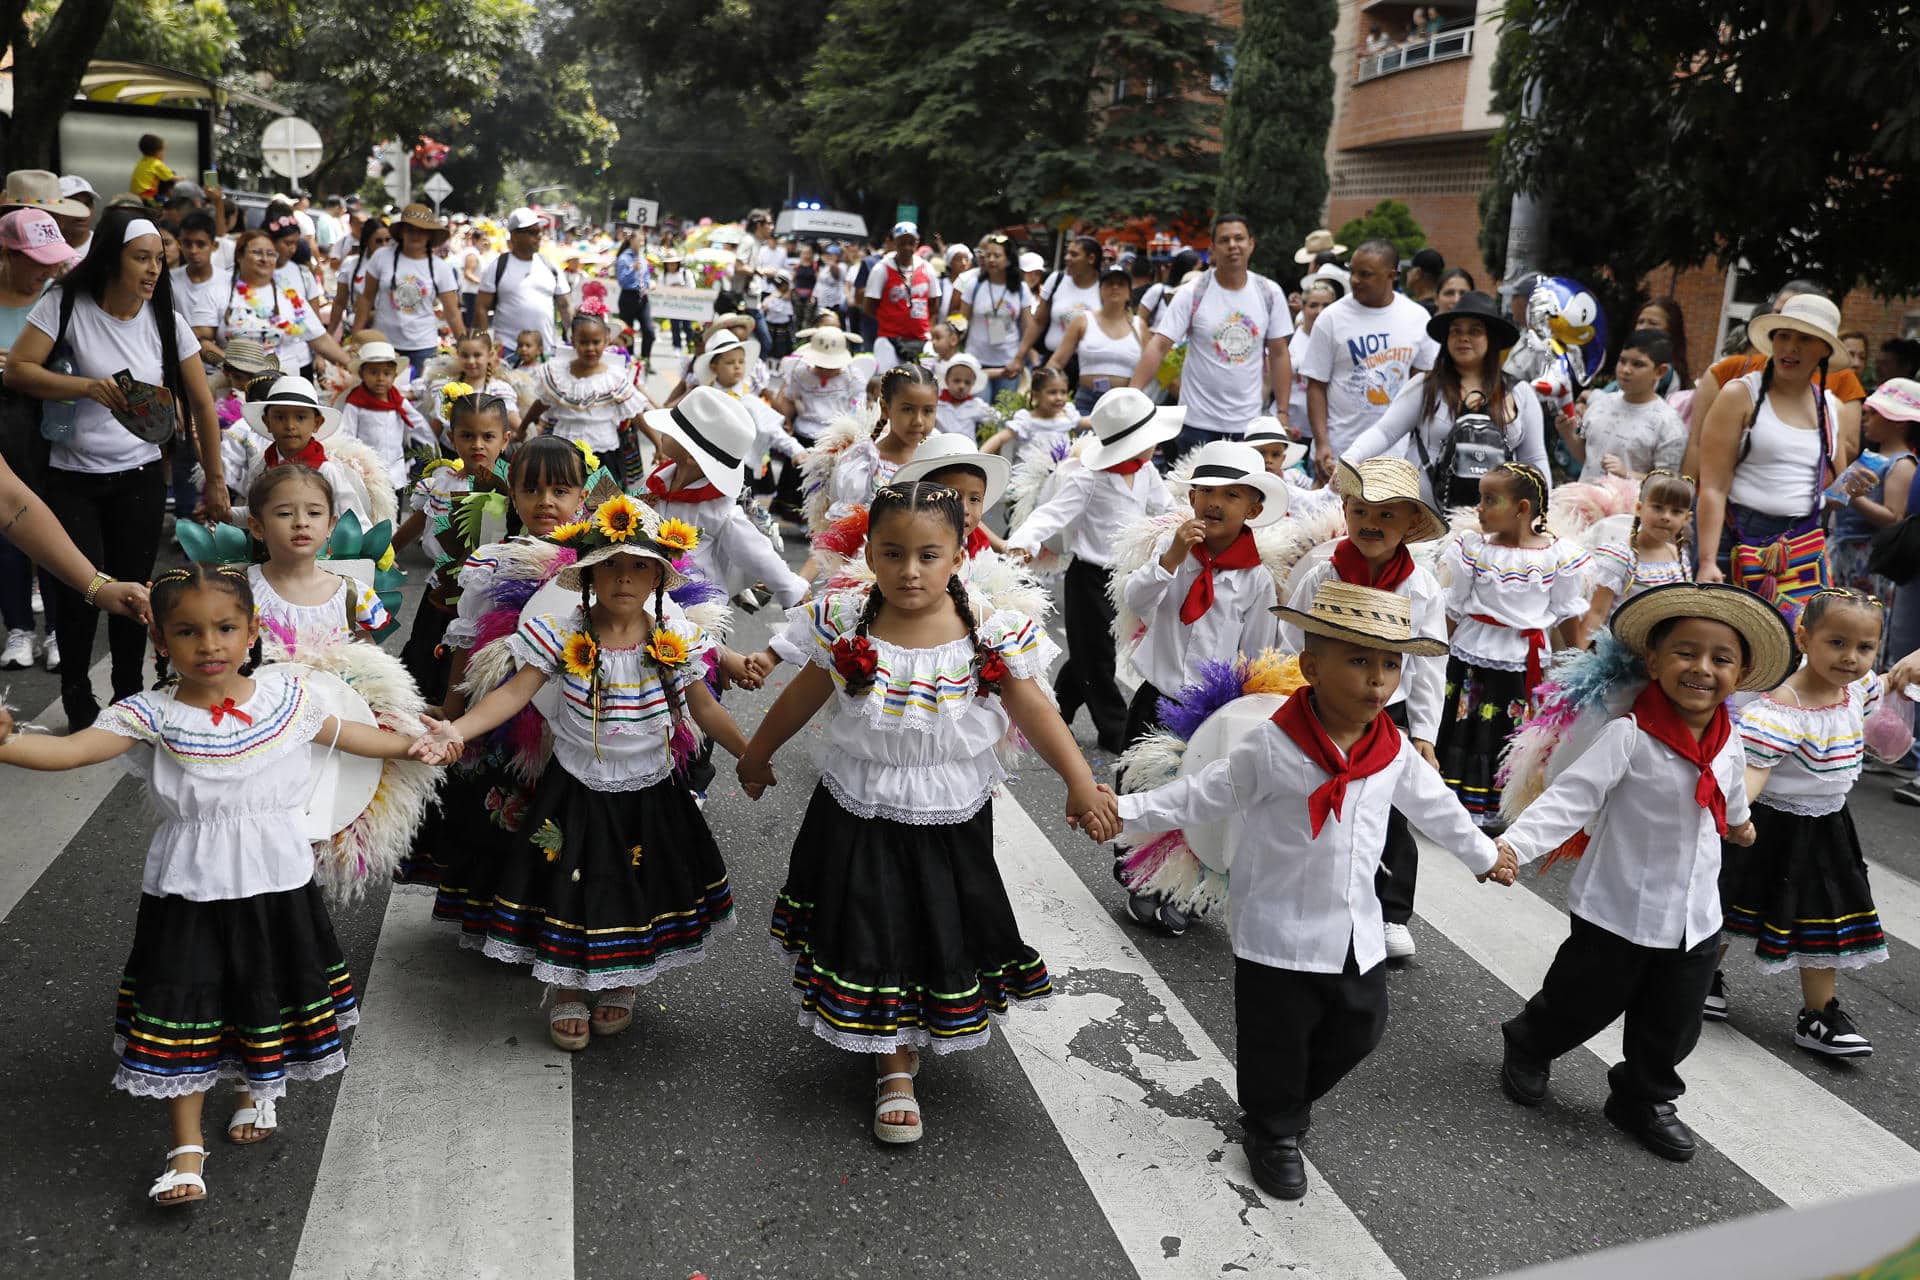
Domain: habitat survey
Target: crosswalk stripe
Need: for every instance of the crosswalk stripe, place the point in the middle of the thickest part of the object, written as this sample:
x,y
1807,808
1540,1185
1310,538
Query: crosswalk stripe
x,y
1898,901
40,812
451,1147
1739,1097
1154,1163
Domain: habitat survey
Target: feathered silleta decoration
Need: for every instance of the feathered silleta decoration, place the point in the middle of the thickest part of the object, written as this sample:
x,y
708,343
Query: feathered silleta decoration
x,y
1035,479
843,539
823,458
1583,691
1166,865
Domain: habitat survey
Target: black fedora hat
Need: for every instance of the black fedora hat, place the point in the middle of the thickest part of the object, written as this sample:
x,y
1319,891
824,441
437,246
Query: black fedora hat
x,y
1501,332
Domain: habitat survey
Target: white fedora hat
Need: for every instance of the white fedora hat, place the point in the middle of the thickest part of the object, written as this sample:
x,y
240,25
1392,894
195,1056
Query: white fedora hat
x,y
1220,463
716,429
826,348
1128,422
945,449
722,341
1266,430
292,390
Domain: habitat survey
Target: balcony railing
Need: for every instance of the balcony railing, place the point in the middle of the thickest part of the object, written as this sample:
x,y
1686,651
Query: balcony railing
x,y
1453,40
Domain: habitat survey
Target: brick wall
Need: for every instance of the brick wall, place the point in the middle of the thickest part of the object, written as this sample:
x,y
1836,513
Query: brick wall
x,y
1404,106
1702,290
1440,182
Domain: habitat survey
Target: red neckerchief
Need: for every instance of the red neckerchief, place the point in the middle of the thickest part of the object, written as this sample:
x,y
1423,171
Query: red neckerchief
x,y
977,542
947,397
702,492
1657,717
1537,647
1376,749
311,456
1242,554
222,710
362,398
1126,468
1352,566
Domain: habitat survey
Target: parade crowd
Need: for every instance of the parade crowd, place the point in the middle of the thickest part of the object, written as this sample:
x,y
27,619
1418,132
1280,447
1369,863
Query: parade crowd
x,y
1335,559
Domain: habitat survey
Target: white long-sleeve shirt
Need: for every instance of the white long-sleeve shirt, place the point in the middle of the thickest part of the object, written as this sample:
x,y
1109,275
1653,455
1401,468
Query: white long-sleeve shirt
x,y
388,432
1300,900
1392,433
1239,620
1651,873
1092,508
732,550
1423,681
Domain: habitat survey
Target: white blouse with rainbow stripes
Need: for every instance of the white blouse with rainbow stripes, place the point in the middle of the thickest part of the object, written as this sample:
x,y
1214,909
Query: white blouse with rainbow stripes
x,y
629,748
1525,588
1815,752
920,747
231,795
318,622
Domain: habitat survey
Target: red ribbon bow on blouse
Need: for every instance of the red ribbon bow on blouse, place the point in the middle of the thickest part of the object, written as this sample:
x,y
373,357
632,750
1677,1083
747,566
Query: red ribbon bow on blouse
x,y
1243,554
1654,712
1537,648
1375,750
702,492
222,710
311,456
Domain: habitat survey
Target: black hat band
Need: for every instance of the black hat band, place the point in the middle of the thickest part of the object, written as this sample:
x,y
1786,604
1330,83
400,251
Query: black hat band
x,y
1124,432
695,436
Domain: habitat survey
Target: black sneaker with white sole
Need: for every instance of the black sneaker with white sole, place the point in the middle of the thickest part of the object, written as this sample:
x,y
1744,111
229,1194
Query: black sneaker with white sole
x,y
1831,1031
1157,913
1715,1008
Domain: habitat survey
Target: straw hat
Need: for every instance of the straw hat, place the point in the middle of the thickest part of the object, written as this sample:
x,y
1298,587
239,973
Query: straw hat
x,y
1390,480
297,391
1266,430
421,218
723,341
945,449
1807,313
250,356
1364,616
639,528
716,429
1219,463
1319,241
39,189
1768,637
1128,423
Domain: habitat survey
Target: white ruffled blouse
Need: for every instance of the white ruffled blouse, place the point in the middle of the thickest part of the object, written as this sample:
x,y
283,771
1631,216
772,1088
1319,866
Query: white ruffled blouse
x,y
232,796
592,408
318,621
1525,588
1615,566
920,746
857,474
1815,753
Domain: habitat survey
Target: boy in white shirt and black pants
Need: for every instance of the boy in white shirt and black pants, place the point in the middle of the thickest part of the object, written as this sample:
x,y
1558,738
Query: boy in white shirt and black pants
x,y
1100,492
1204,596
1314,786
1657,790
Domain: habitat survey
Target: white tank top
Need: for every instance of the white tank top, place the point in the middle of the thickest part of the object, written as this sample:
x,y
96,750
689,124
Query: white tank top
x,y
1777,477
1104,357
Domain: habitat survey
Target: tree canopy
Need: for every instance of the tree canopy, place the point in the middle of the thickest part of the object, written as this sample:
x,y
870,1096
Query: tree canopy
x,y
1389,220
1784,133
1273,149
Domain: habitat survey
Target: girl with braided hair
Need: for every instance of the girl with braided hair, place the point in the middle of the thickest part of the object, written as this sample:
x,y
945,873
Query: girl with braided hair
x,y
1517,592
1654,553
613,877
234,972
900,930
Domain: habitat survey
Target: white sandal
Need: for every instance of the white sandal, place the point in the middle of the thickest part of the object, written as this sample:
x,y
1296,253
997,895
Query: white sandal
x,y
171,1178
894,1100
621,999
568,1011
259,1114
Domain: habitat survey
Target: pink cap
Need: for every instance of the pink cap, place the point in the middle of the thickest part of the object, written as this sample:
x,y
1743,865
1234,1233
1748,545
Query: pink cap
x,y
35,233
1897,400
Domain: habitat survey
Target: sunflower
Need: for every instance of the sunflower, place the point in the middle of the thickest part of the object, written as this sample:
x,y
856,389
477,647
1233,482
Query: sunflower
x,y
568,532
579,654
677,535
668,648
618,517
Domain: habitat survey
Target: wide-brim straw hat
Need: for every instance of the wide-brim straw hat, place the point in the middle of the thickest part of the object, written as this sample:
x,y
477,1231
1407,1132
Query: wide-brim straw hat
x,y
569,577
1128,422
421,218
715,429
292,390
1807,313
1220,463
945,449
1896,400
1769,639
1365,616
1501,330
250,356
643,528
1319,241
1266,430
40,189
1390,480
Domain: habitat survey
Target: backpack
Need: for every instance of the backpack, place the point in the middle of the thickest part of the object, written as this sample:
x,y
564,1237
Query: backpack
x,y
1269,293
1475,446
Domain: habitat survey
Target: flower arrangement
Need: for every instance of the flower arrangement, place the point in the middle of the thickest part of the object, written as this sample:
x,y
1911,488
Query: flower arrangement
x,y
449,392
668,648
579,654
992,671
855,658
677,535
618,518
568,532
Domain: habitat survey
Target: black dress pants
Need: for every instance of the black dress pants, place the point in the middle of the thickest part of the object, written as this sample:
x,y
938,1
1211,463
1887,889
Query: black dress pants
x,y
1298,1034
1400,861
114,518
1086,678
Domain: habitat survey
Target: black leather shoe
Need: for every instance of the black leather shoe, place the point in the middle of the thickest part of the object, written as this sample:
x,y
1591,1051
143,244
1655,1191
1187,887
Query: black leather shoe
x,y
1657,1126
1522,1080
1277,1167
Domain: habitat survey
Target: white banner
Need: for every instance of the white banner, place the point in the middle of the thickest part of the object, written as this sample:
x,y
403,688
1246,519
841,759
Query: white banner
x,y
674,302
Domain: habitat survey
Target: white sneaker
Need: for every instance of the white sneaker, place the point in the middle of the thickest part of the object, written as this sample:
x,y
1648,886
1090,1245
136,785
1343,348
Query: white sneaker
x,y
39,606
50,653
19,650
1399,940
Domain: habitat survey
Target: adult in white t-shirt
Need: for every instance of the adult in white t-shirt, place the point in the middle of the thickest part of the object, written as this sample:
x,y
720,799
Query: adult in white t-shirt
x,y
1235,325
1062,296
1363,349
520,290
994,299
409,289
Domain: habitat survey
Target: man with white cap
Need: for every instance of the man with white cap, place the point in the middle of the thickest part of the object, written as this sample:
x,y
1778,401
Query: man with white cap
x,y
519,289
900,296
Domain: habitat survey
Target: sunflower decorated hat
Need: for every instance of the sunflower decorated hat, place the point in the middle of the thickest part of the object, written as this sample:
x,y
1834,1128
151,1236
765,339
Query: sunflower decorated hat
x,y
621,526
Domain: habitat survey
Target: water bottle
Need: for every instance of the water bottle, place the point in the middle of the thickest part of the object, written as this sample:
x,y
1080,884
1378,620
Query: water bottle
x,y
58,417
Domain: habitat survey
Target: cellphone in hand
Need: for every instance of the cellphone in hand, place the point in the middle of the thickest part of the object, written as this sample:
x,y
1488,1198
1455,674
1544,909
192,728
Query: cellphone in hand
x,y
209,177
